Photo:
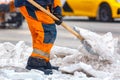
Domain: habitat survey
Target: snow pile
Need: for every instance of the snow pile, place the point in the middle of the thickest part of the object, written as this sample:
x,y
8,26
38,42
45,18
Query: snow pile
x,y
14,54
105,46
75,64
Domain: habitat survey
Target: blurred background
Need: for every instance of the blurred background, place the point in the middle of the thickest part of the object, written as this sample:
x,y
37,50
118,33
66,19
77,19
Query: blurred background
x,y
100,16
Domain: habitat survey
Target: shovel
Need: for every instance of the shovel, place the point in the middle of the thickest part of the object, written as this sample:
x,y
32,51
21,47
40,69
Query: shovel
x,y
87,46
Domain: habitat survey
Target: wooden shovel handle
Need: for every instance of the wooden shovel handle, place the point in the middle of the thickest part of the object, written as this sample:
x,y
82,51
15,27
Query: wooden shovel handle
x,y
55,18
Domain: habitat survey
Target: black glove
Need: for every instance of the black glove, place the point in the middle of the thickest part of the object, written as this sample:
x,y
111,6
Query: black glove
x,y
57,13
59,16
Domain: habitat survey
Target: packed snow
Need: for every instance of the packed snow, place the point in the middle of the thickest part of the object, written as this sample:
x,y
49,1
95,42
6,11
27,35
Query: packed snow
x,y
75,64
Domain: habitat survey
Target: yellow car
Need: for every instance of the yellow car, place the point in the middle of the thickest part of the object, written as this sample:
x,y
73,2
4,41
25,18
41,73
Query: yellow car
x,y
103,10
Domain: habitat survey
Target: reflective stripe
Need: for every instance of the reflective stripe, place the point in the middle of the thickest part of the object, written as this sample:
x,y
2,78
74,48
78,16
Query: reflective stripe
x,y
41,53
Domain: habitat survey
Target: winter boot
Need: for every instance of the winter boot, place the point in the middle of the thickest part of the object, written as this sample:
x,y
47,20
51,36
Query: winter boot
x,y
49,66
39,64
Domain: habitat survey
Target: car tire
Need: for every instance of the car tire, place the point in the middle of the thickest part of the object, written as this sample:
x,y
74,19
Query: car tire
x,y
2,26
19,20
16,21
105,13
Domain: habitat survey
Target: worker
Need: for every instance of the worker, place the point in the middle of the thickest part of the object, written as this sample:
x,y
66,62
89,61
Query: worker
x,y
43,31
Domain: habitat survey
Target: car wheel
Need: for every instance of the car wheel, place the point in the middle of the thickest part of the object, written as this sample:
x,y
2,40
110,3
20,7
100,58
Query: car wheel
x,y
105,13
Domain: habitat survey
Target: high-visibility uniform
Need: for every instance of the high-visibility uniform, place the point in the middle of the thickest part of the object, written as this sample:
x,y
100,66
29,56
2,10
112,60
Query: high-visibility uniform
x,y
41,26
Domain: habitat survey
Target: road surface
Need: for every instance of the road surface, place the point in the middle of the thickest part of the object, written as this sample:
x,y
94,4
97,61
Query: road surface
x,y
64,38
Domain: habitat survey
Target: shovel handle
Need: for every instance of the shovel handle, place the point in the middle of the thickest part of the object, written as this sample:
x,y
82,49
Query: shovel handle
x,y
55,18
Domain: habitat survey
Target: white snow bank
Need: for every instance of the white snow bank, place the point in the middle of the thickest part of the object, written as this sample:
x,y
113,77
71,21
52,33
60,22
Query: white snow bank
x,y
75,64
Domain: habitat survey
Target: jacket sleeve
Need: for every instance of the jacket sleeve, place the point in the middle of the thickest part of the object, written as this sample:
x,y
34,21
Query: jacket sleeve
x,y
57,7
57,3
19,3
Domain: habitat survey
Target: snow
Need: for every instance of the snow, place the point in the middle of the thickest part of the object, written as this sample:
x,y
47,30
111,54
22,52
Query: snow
x,y
75,64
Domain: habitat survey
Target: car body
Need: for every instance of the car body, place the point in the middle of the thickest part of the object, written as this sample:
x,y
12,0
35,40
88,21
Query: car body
x,y
103,10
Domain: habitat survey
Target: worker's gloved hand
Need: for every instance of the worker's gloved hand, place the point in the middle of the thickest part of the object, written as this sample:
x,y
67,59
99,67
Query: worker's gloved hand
x,y
59,16
57,13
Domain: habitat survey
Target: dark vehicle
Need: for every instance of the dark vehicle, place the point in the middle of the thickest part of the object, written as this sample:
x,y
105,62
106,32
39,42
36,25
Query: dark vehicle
x,y
10,17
